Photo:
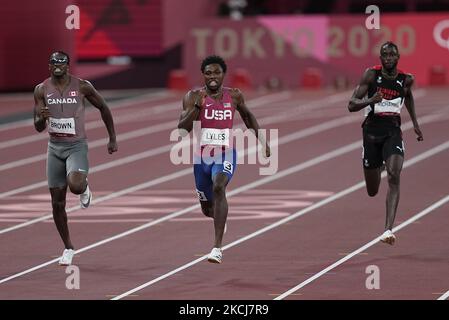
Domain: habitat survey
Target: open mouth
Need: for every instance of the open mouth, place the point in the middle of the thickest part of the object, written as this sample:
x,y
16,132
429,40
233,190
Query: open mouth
x,y
213,83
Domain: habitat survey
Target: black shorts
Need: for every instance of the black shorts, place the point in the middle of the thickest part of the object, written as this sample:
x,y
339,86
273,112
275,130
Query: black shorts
x,y
379,143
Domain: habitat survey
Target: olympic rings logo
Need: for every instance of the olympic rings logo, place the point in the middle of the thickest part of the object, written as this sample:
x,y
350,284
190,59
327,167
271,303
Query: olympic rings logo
x,y
438,33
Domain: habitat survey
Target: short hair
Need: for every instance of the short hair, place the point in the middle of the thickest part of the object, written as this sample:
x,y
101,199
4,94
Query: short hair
x,y
389,44
212,60
63,53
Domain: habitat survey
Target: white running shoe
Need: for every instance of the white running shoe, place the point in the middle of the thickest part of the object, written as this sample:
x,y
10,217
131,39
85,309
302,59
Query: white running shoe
x,y
388,237
85,198
215,256
66,258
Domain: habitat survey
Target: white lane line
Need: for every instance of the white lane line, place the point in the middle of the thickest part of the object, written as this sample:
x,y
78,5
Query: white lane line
x,y
365,247
286,139
444,296
302,212
95,144
95,124
148,97
259,102
117,162
249,186
337,152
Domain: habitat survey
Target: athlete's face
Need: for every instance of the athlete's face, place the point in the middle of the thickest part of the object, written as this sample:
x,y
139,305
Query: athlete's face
x,y
389,57
58,65
213,76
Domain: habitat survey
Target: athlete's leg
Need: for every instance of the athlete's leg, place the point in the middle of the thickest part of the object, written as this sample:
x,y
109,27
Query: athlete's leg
x,y
372,180
372,163
207,207
77,182
394,167
77,167
58,202
57,184
222,173
220,180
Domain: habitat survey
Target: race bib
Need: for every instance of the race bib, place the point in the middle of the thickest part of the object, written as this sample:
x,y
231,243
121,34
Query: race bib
x,y
64,127
218,137
389,106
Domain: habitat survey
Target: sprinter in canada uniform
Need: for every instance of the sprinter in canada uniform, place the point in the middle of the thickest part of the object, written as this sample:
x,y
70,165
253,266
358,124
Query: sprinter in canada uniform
x,y
59,106
214,106
388,90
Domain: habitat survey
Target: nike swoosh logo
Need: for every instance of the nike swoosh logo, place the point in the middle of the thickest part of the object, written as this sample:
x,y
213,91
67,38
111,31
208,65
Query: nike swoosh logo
x,y
208,105
400,149
50,94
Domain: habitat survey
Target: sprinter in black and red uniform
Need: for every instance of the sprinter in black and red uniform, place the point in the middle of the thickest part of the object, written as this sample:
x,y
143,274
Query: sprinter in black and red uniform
x,y
388,89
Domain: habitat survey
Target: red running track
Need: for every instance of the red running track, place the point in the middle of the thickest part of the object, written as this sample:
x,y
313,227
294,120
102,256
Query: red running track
x,y
165,257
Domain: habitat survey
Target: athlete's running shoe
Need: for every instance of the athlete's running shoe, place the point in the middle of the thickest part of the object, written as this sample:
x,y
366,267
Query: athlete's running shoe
x,y
388,237
215,256
85,198
66,258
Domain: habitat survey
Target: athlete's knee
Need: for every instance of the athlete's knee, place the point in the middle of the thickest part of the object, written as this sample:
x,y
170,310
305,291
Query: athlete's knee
x,y
394,178
219,188
77,187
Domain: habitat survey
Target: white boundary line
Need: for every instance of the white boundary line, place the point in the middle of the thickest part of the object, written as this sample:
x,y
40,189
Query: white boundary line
x,y
366,246
444,296
337,152
286,139
113,105
121,161
297,214
96,143
123,136
286,172
298,135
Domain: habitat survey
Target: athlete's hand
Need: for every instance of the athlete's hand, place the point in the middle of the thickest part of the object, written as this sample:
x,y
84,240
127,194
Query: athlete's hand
x,y
199,101
377,97
112,146
419,134
44,113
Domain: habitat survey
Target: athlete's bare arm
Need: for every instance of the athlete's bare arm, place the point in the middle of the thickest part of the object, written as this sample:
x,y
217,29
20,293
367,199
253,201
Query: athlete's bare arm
x,y
98,102
248,117
358,101
41,113
191,106
410,105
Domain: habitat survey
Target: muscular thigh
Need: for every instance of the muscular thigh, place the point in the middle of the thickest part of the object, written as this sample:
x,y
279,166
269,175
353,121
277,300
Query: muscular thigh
x,y
77,160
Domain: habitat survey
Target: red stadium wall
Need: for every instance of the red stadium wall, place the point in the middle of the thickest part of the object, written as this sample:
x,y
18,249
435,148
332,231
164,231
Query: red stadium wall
x,y
29,32
285,46
119,27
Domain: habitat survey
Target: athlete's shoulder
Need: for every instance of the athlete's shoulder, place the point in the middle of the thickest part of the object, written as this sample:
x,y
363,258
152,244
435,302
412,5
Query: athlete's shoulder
x,y
376,67
194,92
39,89
83,82
85,86
409,79
369,75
